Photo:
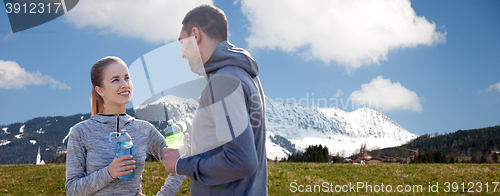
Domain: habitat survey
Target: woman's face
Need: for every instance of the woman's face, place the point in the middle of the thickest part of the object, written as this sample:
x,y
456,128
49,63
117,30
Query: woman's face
x,y
117,88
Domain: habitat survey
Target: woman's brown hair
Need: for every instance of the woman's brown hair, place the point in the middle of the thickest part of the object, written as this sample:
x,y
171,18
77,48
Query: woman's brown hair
x,y
96,77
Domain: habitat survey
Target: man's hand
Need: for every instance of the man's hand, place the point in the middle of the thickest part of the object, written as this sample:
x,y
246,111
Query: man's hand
x,y
118,167
171,155
170,159
186,149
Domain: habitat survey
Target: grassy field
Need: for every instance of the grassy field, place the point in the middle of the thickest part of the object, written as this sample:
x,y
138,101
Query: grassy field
x,y
283,178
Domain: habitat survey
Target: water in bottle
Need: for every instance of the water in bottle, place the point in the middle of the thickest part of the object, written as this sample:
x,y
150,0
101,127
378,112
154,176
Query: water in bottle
x,y
124,146
174,138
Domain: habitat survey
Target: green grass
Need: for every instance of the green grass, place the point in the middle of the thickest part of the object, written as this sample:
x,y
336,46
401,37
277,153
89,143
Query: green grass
x,y
32,179
282,174
49,179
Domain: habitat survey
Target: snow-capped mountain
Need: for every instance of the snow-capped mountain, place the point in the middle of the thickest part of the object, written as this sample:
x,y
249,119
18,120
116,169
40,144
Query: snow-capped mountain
x,y
292,127
168,107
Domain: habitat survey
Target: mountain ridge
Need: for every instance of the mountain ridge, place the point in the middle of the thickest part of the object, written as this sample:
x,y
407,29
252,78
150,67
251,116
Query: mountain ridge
x,y
290,128
455,144
342,132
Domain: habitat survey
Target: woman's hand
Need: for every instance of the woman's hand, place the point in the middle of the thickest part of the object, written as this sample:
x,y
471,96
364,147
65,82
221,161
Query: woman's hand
x,y
118,167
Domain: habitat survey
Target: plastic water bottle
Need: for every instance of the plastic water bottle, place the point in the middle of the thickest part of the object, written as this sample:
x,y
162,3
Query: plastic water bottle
x,y
124,146
174,138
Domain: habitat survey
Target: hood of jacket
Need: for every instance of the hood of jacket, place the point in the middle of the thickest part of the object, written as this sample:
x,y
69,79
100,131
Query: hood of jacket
x,y
110,120
226,54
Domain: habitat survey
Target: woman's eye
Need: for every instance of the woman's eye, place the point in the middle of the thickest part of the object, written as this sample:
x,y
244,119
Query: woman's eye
x,y
114,80
127,78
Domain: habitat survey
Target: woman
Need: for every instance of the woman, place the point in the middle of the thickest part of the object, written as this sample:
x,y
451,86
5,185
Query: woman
x,y
91,164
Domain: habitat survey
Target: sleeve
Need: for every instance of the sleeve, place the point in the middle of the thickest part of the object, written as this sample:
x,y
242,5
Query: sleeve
x,y
172,185
237,158
77,182
156,142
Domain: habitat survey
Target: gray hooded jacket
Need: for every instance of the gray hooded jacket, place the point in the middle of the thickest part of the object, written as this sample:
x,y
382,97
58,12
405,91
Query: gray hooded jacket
x,y
90,152
228,151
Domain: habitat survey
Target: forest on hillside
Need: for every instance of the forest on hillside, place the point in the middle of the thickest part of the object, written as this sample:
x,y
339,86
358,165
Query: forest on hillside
x,y
460,144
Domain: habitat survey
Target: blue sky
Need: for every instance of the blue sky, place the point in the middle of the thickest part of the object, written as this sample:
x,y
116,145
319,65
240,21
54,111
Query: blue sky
x,y
431,66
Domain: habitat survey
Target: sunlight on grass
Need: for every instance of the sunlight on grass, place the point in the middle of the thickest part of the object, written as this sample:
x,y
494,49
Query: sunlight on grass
x,y
49,179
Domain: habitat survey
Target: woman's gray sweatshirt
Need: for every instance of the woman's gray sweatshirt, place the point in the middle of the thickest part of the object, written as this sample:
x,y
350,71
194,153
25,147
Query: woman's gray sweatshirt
x,y
90,152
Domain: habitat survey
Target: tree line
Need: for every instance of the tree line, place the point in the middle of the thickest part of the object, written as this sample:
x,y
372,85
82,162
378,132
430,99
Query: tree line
x,y
467,146
316,153
438,156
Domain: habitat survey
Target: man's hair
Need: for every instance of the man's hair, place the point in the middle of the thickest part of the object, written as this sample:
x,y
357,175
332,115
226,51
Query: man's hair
x,y
211,20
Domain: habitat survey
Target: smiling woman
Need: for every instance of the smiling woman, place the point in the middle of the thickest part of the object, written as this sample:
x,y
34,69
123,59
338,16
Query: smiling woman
x,y
92,166
111,84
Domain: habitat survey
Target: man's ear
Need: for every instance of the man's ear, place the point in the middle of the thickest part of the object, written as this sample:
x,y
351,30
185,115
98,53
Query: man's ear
x,y
99,91
196,32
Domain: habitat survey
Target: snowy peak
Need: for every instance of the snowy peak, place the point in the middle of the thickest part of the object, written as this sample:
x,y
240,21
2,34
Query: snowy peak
x,y
289,128
168,107
292,127
335,128
366,122
291,118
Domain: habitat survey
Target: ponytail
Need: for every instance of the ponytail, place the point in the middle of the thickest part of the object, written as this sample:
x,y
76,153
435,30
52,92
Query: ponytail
x,y
96,77
96,103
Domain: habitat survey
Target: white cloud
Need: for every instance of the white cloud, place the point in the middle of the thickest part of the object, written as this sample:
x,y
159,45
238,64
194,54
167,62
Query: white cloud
x,y
13,76
156,21
494,87
339,93
384,95
352,33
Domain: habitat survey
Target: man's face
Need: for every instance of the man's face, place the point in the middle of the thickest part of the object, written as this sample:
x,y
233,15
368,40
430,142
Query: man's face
x,y
191,52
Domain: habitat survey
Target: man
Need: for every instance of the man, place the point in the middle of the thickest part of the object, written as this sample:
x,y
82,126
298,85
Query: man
x,y
228,151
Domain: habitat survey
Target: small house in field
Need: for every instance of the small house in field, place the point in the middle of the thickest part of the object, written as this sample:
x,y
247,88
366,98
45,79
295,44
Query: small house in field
x,y
353,162
362,160
489,152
